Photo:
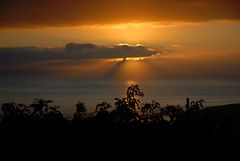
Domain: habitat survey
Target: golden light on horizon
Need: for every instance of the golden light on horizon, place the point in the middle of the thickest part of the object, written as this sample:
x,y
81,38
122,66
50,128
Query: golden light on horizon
x,y
134,70
133,33
128,59
135,58
130,82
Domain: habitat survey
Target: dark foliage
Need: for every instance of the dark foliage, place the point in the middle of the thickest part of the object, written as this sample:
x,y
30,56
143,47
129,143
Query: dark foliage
x,y
129,130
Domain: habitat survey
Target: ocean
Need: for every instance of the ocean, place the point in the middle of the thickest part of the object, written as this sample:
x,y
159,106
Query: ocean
x,y
66,93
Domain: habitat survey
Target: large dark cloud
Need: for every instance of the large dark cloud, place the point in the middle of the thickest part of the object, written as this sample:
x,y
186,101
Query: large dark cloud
x,y
94,51
72,51
87,61
30,13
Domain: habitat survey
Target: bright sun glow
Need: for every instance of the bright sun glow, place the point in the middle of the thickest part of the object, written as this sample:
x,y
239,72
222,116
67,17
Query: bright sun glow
x,y
128,59
126,44
135,58
130,82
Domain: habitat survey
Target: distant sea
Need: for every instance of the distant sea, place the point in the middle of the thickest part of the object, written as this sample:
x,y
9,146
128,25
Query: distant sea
x,y
66,93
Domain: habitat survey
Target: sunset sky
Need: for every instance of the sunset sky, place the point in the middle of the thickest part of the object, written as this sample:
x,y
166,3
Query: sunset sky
x,y
127,39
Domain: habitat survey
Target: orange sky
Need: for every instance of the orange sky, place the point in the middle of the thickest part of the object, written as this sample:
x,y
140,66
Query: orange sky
x,y
155,23
35,13
188,34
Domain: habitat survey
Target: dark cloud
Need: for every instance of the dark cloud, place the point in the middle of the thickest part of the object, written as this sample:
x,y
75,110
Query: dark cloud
x,y
78,61
35,13
93,51
35,63
83,61
72,51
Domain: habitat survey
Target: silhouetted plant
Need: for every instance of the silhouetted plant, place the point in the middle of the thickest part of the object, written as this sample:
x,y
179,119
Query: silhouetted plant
x,y
198,104
126,108
54,110
149,108
80,107
80,111
15,110
173,112
40,106
194,106
187,103
25,110
102,112
133,93
10,109
150,126
152,112
53,113
103,107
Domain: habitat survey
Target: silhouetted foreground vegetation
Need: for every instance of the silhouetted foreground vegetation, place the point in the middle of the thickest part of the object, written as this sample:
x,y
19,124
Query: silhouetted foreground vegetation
x,y
129,130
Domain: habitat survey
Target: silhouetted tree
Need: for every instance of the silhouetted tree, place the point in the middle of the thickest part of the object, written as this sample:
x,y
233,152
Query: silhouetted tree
x,y
40,107
126,108
133,93
102,112
194,106
41,126
14,110
149,108
103,107
53,113
193,115
10,109
152,112
25,110
173,112
80,111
